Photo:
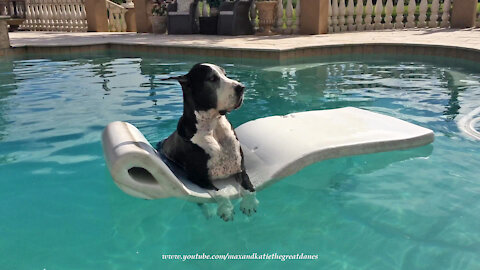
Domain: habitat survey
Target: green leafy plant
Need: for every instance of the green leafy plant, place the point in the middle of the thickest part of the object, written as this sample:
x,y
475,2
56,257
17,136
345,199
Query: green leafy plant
x,y
159,8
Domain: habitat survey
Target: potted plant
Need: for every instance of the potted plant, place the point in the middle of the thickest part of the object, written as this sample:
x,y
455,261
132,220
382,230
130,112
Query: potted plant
x,y
159,16
214,4
266,16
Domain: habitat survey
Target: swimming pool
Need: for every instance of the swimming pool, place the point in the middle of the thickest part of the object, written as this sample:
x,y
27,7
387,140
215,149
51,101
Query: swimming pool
x,y
413,209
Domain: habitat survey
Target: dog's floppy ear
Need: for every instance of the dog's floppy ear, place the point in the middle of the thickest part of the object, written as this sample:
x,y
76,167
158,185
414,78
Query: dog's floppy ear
x,y
181,79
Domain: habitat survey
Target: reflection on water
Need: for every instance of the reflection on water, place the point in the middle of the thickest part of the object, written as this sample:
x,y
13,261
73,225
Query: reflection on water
x,y
8,85
42,99
403,87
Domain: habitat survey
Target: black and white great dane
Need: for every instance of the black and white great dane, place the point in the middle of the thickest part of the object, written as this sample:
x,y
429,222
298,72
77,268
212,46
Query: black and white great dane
x,y
204,143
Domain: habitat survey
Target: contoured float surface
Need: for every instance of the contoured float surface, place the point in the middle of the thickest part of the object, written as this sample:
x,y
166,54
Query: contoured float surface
x,y
274,147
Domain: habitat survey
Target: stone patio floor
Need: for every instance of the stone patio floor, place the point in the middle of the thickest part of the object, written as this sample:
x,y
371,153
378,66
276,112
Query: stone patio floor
x,y
466,38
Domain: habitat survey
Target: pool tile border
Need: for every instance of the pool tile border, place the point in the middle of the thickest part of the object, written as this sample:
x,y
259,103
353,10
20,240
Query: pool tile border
x,y
247,53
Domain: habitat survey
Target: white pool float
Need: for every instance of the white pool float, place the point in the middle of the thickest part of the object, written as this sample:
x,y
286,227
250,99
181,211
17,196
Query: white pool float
x,y
274,147
468,122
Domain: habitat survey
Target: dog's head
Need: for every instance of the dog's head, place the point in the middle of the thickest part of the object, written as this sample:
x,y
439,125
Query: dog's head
x,y
207,87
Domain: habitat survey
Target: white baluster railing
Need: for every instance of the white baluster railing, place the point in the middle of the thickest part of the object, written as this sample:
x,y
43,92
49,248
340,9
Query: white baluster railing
x,y
12,9
350,13
289,17
366,16
434,14
50,18
378,15
55,15
344,15
341,16
399,18
388,14
412,6
116,17
336,28
422,17
359,16
297,18
75,12
83,16
287,20
446,14
279,22
28,24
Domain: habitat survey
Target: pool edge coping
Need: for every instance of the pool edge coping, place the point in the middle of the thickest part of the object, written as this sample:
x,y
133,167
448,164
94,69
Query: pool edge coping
x,y
279,54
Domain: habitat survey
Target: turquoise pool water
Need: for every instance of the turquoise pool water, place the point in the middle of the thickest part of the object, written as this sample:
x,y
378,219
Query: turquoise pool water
x,y
59,208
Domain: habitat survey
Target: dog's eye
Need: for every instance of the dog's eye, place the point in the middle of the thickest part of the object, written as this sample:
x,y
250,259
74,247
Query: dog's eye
x,y
213,78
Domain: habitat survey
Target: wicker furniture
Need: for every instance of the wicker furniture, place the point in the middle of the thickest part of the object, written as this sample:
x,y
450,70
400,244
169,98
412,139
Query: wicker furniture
x,y
182,18
234,18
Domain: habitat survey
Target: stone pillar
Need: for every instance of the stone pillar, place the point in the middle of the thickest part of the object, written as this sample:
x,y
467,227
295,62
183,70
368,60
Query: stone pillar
x,y
130,19
96,15
4,40
142,16
463,13
314,19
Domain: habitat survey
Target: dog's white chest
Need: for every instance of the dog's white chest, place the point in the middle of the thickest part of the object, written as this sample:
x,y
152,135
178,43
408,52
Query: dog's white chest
x,y
220,143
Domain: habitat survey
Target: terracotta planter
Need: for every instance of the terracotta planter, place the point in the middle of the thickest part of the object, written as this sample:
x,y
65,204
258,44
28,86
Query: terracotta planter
x,y
266,16
159,24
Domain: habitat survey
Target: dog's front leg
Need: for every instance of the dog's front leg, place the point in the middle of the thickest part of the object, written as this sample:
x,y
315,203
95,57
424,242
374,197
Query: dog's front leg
x,y
225,208
249,202
207,211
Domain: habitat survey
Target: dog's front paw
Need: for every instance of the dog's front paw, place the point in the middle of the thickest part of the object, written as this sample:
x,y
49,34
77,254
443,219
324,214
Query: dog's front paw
x,y
225,210
249,203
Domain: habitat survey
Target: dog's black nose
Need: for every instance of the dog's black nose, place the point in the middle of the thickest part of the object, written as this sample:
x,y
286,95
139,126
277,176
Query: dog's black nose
x,y
239,88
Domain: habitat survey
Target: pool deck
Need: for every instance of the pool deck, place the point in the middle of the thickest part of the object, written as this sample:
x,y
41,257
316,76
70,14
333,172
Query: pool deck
x,y
465,43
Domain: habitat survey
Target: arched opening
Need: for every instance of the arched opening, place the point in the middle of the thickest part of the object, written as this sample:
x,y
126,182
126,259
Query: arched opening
x,y
141,175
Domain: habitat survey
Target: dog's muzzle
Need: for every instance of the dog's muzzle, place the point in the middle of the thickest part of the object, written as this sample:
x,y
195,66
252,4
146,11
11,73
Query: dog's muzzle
x,y
239,89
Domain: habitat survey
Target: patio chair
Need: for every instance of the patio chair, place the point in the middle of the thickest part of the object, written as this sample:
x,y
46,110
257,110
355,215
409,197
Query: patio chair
x,y
234,19
182,17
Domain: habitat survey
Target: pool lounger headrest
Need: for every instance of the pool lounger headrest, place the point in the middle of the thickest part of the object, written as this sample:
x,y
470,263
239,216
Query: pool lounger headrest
x,y
274,147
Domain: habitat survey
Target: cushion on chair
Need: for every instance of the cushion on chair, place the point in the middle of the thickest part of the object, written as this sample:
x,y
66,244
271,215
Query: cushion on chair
x,y
226,12
184,6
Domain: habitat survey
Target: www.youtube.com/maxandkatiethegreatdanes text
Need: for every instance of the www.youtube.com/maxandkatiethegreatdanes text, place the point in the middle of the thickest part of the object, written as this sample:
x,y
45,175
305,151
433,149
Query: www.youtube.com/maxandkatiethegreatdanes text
x,y
253,256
